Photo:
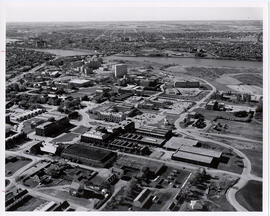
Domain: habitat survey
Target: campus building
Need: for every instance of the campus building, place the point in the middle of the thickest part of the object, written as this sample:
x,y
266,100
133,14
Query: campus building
x,y
175,143
88,155
186,84
120,70
161,133
79,83
142,198
199,156
50,127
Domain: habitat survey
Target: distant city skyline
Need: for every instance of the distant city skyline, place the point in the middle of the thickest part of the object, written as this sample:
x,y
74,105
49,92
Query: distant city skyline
x,y
71,11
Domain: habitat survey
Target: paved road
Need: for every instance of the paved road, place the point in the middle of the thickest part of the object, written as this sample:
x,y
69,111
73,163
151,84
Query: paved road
x,y
225,136
246,173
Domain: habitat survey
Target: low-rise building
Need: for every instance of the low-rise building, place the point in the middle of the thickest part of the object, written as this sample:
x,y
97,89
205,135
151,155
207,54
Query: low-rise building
x,y
79,83
186,84
120,70
176,142
142,198
50,127
199,156
89,155
49,148
154,132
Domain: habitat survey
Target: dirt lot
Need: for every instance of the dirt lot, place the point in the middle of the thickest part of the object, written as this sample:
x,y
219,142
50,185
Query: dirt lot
x,y
251,196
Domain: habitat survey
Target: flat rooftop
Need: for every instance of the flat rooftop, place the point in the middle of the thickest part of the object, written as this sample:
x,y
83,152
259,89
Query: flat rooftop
x,y
90,152
153,130
201,151
176,142
79,81
155,141
193,157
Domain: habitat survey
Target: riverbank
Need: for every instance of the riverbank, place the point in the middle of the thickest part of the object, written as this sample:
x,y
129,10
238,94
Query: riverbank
x,y
183,56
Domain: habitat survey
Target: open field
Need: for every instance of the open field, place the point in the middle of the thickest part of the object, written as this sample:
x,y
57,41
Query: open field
x,y
250,79
226,79
84,91
221,204
66,137
65,53
251,130
252,150
80,129
230,161
15,163
212,114
249,89
210,72
250,196
256,158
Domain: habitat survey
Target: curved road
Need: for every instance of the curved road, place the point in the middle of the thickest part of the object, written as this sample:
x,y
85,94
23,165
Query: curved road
x,y
246,173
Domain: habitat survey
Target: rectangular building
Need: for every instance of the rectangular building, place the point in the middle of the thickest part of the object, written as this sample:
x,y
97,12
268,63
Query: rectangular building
x,y
88,155
142,198
186,84
154,132
79,83
120,70
176,142
50,127
193,158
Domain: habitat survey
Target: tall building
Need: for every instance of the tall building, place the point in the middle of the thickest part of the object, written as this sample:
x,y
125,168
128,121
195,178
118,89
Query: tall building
x,y
120,70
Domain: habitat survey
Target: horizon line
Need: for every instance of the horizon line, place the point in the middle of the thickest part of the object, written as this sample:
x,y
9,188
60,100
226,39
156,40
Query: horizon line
x,y
220,20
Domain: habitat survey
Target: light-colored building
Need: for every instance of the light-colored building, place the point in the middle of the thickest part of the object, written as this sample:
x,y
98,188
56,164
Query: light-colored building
x,y
142,198
49,148
80,83
120,70
176,142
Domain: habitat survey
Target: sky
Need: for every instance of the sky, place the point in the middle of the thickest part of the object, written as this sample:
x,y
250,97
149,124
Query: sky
x,y
83,10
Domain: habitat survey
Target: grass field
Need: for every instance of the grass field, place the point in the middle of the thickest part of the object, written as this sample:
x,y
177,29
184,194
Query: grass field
x,y
211,114
221,204
66,137
250,79
256,159
13,166
80,129
252,150
230,162
250,130
250,196
85,91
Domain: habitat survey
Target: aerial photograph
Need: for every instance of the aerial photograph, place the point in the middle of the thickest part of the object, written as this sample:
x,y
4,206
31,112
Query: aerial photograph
x,y
135,114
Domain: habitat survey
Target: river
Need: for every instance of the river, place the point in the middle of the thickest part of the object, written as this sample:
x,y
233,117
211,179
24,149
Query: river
x,y
65,53
189,62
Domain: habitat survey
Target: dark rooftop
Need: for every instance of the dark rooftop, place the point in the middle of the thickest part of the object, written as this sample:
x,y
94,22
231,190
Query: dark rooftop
x,y
90,152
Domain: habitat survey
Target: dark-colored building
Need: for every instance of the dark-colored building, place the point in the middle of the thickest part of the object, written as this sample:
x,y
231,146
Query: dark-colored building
x,y
88,155
155,132
50,127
